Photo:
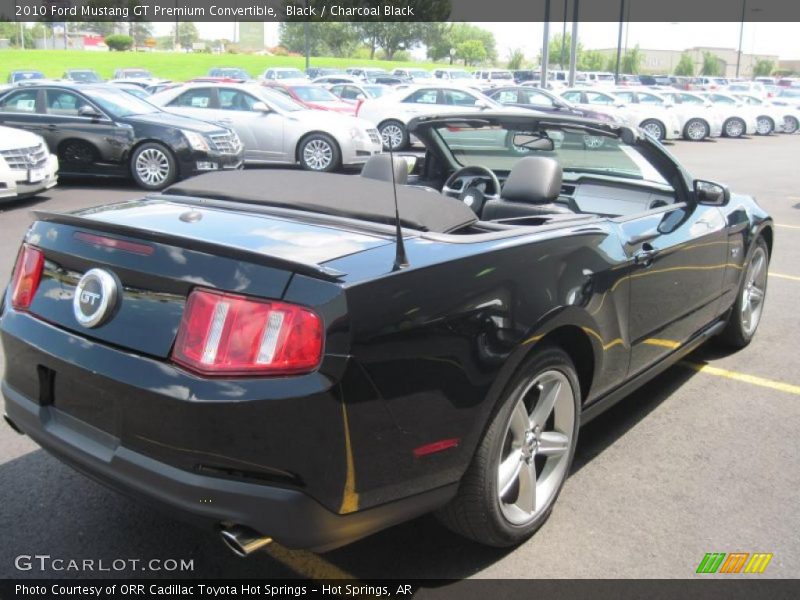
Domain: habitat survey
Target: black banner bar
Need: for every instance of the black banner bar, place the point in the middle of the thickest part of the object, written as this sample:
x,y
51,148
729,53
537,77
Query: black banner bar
x,y
396,10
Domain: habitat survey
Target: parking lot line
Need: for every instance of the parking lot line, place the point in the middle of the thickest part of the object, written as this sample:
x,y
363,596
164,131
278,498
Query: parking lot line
x,y
306,564
782,276
787,226
743,377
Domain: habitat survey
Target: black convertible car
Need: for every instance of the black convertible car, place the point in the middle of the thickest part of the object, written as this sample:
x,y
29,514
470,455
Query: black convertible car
x,y
258,350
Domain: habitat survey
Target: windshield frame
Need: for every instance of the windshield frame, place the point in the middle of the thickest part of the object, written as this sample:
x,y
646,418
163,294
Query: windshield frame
x,y
94,93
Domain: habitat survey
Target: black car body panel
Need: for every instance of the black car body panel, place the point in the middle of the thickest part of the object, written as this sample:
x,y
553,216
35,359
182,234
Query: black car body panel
x,y
412,356
555,106
111,140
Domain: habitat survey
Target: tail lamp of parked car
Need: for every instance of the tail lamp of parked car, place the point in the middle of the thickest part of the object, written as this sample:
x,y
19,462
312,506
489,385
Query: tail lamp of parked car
x,y
27,275
232,335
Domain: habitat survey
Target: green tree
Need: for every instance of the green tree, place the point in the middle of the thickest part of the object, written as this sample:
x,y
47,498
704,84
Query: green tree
x,y
441,37
119,42
471,52
591,60
712,65
103,28
763,67
685,66
140,31
187,34
516,58
632,61
292,37
554,50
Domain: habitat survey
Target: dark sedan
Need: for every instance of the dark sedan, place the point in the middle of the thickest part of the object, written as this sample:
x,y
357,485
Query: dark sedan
x,y
542,101
105,131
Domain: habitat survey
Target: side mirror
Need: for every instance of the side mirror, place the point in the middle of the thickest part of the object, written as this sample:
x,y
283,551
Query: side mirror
x,y
411,162
89,112
711,193
261,107
481,104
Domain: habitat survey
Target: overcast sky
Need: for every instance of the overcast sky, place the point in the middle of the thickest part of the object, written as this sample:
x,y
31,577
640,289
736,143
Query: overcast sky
x,y
782,39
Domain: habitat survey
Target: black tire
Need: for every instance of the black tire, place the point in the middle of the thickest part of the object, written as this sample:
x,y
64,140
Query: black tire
x,y
696,130
319,152
734,128
655,128
388,128
790,124
476,512
736,333
769,124
158,177
79,155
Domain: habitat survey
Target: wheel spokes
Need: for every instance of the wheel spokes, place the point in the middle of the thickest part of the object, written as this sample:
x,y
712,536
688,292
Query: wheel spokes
x,y
552,443
526,499
508,473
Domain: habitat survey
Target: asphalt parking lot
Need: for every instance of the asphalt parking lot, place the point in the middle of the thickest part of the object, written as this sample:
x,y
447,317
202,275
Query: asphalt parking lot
x,y
702,459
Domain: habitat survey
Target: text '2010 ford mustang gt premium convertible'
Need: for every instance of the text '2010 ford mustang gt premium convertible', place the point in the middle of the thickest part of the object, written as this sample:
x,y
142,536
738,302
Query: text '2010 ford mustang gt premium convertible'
x,y
275,354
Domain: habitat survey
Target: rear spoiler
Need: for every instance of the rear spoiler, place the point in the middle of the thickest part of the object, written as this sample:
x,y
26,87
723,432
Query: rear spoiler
x,y
304,268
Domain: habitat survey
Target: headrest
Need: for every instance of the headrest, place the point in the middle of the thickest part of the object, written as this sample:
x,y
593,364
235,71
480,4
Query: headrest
x,y
379,166
533,179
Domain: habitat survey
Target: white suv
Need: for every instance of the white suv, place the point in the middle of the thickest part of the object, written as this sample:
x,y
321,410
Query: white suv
x,y
26,165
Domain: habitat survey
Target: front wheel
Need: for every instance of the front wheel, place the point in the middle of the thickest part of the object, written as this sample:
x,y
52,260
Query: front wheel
x,y
696,130
655,129
734,128
790,124
319,152
524,458
153,166
746,313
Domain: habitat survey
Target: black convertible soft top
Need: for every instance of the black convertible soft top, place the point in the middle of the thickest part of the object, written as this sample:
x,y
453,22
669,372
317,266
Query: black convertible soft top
x,y
331,194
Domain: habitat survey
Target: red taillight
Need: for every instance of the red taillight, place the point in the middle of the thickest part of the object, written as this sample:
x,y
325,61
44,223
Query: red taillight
x,y
117,244
228,334
27,275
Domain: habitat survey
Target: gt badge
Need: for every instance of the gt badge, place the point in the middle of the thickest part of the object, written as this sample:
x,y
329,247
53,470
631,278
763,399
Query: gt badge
x,y
96,297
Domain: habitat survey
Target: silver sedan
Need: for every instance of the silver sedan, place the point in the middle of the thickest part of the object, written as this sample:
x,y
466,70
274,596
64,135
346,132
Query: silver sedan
x,y
274,128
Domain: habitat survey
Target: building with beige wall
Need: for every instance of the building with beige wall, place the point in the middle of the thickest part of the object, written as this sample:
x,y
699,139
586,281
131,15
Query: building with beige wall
x,y
665,61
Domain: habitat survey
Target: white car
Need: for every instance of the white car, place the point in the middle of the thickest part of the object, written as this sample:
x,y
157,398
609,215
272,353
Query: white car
x,y
752,88
772,117
26,165
738,118
418,76
454,75
274,128
789,98
285,75
354,92
599,79
492,78
392,112
658,121
697,117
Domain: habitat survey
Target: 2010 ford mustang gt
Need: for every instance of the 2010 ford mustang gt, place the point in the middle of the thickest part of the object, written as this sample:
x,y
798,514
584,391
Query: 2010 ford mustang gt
x,y
293,356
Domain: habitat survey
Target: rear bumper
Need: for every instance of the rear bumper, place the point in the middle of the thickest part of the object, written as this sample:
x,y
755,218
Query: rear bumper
x,y
288,516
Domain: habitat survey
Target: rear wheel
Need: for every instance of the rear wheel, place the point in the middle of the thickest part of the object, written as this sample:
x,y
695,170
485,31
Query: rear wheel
x,y
394,135
734,127
764,126
655,128
153,167
746,313
790,124
696,130
524,458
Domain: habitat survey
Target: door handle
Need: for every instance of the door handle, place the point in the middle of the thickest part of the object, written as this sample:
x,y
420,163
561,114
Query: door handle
x,y
51,127
645,255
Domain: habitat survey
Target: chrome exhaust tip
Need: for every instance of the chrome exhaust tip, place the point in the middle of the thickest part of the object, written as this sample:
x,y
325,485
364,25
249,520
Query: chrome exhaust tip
x,y
243,541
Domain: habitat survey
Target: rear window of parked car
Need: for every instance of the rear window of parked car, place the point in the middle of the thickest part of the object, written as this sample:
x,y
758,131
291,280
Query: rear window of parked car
x,y
24,102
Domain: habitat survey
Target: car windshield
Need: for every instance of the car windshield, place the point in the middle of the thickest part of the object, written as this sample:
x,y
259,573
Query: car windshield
x,y
789,93
419,73
121,103
310,93
502,75
290,74
459,75
605,77
136,74
279,101
28,75
578,152
84,76
231,73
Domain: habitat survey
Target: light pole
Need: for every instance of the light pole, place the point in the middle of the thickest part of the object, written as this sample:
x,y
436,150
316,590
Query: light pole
x,y
573,55
563,37
741,33
619,40
545,46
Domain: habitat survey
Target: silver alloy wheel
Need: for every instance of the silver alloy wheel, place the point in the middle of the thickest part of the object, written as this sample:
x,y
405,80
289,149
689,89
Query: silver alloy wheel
x,y
763,126
696,130
392,135
592,142
734,128
654,129
790,124
536,447
317,154
755,289
152,166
